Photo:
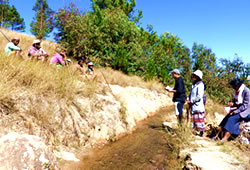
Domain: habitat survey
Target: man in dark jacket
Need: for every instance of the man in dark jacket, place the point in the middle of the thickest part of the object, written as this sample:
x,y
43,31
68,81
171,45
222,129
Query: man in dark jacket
x,y
179,93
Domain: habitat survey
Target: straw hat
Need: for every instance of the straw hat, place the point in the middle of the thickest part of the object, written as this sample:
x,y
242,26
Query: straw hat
x,y
36,41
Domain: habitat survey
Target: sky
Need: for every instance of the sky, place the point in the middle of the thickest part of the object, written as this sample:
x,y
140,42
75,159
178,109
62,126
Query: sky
x,y
221,25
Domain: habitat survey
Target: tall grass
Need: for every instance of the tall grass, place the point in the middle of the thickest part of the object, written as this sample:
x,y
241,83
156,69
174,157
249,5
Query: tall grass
x,y
36,77
39,79
121,79
25,42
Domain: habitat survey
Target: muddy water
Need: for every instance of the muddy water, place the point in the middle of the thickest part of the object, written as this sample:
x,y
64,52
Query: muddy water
x,y
149,147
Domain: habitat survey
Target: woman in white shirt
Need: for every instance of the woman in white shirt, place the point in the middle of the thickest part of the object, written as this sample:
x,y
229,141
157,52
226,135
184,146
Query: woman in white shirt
x,y
196,102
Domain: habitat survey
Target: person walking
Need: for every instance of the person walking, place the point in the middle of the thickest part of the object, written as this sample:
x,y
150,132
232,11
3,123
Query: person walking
x,y
239,110
195,100
179,94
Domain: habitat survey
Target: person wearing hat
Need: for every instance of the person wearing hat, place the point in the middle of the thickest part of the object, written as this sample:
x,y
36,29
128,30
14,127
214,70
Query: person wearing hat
x,y
59,58
195,100
90,71
239,110
36,51
179,94
12,48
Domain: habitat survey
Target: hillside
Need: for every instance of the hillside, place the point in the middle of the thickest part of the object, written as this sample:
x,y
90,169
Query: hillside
x,y
71,114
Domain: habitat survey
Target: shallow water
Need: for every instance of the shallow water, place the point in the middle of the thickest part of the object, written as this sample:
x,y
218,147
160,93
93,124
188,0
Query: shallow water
x,y
150,146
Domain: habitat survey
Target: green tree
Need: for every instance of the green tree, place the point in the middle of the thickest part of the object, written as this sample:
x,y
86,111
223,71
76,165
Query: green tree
x,y
203,58
107,36
14,21
235,68
4,7
42,23
10,18
127,6
169,52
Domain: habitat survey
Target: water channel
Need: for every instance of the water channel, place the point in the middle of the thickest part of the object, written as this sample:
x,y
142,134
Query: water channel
x,y
149,147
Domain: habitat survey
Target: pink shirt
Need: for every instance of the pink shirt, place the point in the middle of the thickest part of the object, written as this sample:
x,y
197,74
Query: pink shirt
x,y
35,52
57,59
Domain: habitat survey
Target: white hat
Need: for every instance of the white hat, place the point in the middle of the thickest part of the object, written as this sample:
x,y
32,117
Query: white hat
x,y
69,60
175,71
90,64
36,41
198,73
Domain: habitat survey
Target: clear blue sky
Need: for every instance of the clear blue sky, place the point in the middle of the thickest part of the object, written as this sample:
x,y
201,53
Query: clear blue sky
x,y
222,25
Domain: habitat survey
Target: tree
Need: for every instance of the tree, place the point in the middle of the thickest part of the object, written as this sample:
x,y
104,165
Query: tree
x,y
14,21
127,6
107,36
10,18
4,7
42,23
235,68
203,58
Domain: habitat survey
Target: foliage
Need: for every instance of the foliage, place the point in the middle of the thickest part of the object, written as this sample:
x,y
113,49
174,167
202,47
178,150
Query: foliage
x,y
14,21
10,18
203,58
4,7
127,6
235,68
42,23
109,37
164,53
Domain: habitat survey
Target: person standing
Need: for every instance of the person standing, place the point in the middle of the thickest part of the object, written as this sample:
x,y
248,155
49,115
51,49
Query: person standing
x,y
179,94
239,110
195,100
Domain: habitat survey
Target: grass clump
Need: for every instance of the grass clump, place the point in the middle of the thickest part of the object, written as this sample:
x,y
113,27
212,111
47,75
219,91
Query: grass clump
x,y
36,77
121,79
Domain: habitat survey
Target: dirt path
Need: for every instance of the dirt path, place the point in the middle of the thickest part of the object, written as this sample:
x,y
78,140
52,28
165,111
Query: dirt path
x,y
212,155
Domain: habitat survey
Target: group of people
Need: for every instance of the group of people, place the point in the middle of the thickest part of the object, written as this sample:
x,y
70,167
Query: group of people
x,y
240,105
196,101
59,59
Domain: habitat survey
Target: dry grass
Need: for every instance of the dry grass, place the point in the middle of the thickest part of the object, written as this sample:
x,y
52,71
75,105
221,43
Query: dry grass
x,y
25,42
239,151
121,79
112,76
38,80
36,77
211,108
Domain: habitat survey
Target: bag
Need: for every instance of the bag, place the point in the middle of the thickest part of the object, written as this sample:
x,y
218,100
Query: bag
x,y
204,97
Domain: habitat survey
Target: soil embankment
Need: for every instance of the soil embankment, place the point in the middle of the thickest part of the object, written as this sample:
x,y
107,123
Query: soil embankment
x,y
149,147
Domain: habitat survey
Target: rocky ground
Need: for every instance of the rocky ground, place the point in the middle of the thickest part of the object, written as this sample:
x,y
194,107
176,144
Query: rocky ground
x,y
207,154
